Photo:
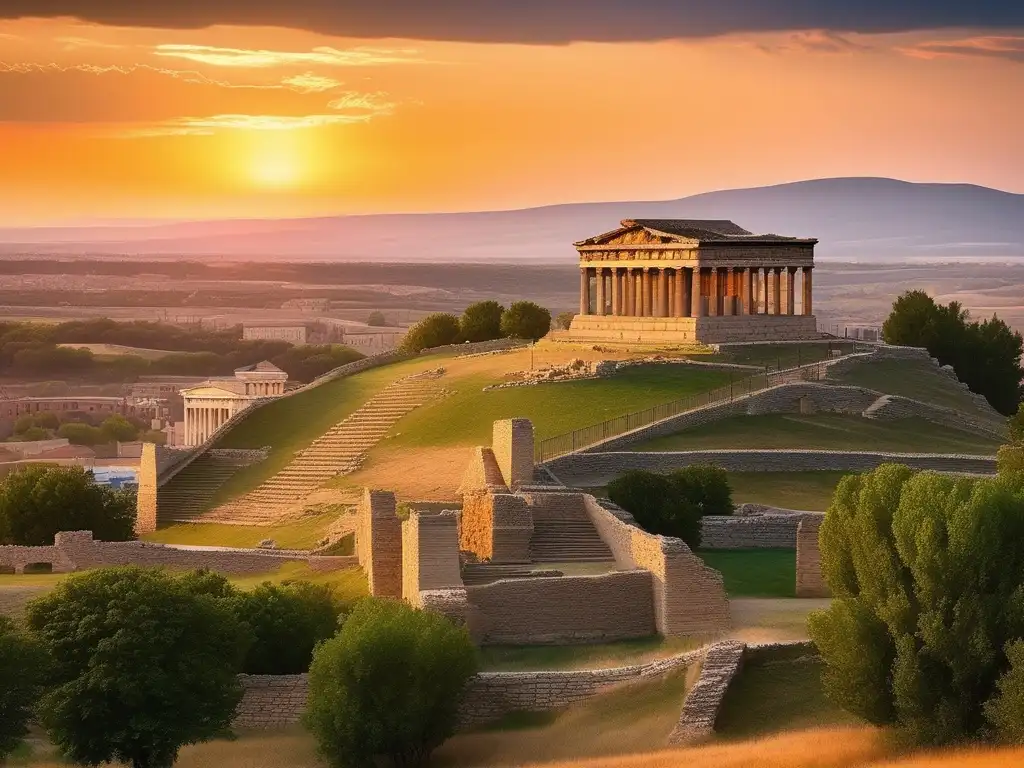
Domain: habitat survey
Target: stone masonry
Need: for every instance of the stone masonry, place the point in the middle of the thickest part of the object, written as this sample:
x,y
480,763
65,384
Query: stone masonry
x,y
496,527
379,543
810,582
769,531
704,700
145,499
430,554
513,448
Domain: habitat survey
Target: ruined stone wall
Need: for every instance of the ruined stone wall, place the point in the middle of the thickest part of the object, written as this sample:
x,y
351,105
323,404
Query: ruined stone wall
x,y
563,609
809,579
512,443
430,554
703,702
689,597
595,469
271,701
751,531
496,527
145,499
75,550
482,473
379,543
893,408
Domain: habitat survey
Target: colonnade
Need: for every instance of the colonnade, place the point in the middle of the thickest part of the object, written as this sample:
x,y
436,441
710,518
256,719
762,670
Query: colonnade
x,y
694,291
203,420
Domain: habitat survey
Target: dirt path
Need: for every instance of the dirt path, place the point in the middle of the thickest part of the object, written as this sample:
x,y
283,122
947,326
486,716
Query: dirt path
x,y
415,474
772,619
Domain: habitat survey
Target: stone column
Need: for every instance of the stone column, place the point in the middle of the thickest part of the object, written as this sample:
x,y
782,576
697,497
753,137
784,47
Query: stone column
x,y
776,290
599,308
747,293
729,294
584,291
715,294
662,292
808,309
616,291
790,273
681,306
646,291
696,305
686,276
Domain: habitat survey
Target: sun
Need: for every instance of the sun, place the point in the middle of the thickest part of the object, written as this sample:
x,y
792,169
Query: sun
x,y
275,170
276,159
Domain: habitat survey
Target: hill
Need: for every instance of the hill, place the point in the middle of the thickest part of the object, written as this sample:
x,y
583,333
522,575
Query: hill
x,y
869,219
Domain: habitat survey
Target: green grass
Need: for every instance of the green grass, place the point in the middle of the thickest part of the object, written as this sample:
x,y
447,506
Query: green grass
x,y
515,658
790,490
918,380
824,431
777,356
290,424
775,695
754,572
301,534
467,415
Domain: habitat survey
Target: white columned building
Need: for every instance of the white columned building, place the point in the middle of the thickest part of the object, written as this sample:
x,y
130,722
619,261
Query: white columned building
x,y
210,405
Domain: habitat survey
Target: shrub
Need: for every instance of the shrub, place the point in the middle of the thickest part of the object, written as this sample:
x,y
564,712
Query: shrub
x,y
389,683
287,621
525,320
481,321
1015,427
78,433
141,666
24,424
117,429
706,487
657,505
926,571
20,665
377,320
43,500
33,434
564,320
435,330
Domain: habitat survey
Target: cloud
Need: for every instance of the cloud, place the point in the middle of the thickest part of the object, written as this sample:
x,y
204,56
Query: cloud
x,y
77,43
816,41
991,47
539,21
243,57
356,103
208,126
310,83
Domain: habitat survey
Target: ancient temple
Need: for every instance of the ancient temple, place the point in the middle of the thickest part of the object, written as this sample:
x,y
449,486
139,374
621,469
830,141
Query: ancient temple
x,y
689,281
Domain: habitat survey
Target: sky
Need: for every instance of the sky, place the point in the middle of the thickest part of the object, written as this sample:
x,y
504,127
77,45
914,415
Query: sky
x,y
114,109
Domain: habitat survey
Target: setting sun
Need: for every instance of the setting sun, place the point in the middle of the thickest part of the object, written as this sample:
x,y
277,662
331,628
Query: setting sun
x,y
275,170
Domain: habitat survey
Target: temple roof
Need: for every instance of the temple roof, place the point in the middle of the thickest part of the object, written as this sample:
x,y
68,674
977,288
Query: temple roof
x,y
701,230
265,366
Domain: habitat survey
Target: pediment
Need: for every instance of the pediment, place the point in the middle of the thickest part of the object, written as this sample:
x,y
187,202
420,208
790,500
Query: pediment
x,y
634,235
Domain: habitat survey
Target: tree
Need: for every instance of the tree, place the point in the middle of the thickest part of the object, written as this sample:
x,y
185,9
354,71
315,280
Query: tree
x,y
47,420
33,434
154,436
481,321
42,500
525,320
389,683
657,505
435,330
927,577
1015,427
706,487
564,320
117,429
141,666
287,621
79,433
24,424
377,320
20,665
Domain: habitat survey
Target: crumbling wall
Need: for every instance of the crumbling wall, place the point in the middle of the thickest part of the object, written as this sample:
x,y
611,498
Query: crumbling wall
x,y
379,543
767,531
430,554
496,527
810,582
145,499
512,443
689,598
703,702
563,609
482,473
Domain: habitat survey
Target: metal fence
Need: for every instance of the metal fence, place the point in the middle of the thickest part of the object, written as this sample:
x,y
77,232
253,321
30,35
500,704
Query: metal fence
x,y
578,439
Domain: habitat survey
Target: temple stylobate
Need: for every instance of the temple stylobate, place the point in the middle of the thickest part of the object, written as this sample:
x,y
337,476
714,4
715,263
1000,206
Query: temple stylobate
x,y
682,280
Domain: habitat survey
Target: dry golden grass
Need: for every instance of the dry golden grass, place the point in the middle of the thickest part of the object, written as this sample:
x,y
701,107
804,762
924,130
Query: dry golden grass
x,y
967,758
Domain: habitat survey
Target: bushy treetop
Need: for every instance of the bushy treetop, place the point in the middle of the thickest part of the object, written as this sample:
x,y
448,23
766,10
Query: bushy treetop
x,y
525,320
481,321
437,330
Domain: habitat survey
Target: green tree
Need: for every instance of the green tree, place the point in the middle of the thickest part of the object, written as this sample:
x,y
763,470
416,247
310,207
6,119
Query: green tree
x,y
927,577
79,433
117,428
388,684
1006,710
141,666
1015,427
658,505
564,320
24,423
47,420
377,320
481,321
706,487
42,500
33,434
287,621
525,320
435,330
21,663
154,436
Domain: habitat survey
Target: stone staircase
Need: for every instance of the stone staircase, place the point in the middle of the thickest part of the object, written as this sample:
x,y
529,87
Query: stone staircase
x,y
186,495
475,574
563,532
338,451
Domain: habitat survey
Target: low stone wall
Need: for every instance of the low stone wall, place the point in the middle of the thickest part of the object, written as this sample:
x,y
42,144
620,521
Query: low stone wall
x,y
769,531
704,700
271,701
689,598
810,582
430,554
595,469
563,609
75,550
893,408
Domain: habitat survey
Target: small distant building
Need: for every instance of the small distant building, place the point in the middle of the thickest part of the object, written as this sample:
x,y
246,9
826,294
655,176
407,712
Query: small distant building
x,y
370,339
293,333
694,281
12,409
212,403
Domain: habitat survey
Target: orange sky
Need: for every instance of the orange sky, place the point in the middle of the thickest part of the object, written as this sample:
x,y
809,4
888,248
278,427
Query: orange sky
x,y
111,122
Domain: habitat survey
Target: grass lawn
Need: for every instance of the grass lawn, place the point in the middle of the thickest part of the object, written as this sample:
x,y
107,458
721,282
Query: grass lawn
x,y
824,431
514,658
777,694
632,718
918,380
467,415
754,572
790,490
777,356
300,534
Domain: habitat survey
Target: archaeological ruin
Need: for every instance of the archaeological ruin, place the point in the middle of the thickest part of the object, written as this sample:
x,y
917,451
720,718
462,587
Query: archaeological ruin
x,y
696,282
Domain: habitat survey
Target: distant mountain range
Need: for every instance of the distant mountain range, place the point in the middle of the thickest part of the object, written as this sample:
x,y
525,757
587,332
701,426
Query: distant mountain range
x,y
863,219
